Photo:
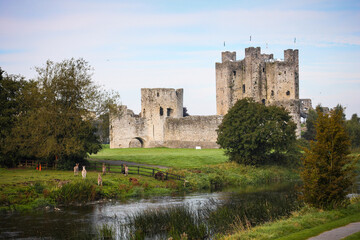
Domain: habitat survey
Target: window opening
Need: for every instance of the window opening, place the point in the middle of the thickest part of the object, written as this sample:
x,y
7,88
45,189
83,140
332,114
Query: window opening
x,y
288,93
243,88
161,111
169,112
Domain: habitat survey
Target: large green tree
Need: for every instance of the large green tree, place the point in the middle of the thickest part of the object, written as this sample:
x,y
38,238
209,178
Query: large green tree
x,y
328,171
252,133
12,97
58,124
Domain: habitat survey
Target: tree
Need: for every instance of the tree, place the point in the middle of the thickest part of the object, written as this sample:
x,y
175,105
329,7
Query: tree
x,y
310,122
328,171
353,129
310,125
12,88
252,133
58,124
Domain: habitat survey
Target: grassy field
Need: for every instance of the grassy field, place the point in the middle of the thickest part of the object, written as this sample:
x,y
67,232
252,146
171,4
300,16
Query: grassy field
x,y
169,157
27,189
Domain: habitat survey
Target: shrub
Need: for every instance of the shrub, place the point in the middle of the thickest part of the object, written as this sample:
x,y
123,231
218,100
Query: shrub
x,y
77,191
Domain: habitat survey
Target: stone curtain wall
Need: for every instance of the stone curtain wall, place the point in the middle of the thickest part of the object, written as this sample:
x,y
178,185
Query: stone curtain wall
x,y
192,131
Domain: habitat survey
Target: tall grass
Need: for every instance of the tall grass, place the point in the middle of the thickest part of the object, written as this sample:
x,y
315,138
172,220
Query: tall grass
x,y
76,192
212,218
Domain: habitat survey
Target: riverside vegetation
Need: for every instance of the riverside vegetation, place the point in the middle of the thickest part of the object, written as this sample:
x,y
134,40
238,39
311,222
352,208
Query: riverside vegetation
x,y
25,189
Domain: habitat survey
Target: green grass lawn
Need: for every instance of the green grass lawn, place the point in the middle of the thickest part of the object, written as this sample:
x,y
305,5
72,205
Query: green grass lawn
x,y
307,222
27,189
169,157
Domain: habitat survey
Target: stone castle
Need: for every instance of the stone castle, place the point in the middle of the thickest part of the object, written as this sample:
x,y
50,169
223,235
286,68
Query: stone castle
x,y
161,122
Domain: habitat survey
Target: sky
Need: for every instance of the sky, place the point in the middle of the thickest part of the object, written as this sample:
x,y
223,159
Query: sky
x,y
175,44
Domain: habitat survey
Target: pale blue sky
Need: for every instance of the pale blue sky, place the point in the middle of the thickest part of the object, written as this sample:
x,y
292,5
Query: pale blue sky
x,y
175,44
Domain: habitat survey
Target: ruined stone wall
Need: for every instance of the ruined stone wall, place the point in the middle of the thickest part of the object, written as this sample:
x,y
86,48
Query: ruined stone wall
x,y
192,131
293,107
126,128
305,106
156,105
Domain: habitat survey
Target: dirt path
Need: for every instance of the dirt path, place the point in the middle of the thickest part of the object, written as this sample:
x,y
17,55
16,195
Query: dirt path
x,y
119,162
339,233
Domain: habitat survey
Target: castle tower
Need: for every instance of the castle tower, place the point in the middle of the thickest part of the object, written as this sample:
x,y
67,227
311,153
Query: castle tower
x,y
156,105
260,77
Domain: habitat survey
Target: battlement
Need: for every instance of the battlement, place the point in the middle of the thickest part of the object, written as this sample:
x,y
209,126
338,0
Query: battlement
x,y
252,52
291,55
228,56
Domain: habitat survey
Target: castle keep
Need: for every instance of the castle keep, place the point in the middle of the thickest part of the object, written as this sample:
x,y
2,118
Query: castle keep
x,y
161,122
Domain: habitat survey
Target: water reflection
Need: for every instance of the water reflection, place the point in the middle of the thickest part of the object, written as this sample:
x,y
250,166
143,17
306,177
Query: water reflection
x,y
82,222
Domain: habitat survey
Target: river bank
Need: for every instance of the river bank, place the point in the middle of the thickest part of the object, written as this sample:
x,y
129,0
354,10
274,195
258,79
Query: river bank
x,y
302,224
27,189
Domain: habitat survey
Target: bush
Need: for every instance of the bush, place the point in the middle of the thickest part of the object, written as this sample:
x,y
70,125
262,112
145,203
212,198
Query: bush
x,y
77,192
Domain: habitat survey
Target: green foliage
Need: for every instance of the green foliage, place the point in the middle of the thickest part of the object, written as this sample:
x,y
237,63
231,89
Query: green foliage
x,y
328,171
353,129
53,117
76,192
252,133
58,121
303,224
310,132
106,232
12,89
212,218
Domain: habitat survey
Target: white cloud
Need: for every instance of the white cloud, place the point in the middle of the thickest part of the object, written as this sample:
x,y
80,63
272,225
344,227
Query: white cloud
x,y
132,46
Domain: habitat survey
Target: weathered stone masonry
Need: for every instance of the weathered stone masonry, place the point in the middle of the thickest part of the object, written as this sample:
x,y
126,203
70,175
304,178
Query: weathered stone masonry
x,y
161,122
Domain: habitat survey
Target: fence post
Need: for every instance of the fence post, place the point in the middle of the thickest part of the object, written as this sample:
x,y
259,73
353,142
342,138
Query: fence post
x,y
108,168
153,174
138,169
166,178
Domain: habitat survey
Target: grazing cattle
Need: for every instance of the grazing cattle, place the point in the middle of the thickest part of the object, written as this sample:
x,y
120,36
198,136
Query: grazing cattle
x,y
83,173
76,169
134,181
99,180
159,175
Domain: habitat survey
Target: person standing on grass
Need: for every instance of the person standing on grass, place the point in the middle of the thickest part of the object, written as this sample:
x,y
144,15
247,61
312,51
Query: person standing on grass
x,y
83,173
103,169
126,170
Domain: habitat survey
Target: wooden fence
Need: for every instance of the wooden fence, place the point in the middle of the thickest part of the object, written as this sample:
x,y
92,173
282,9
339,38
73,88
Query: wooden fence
x,y
136,170
34,164
97,166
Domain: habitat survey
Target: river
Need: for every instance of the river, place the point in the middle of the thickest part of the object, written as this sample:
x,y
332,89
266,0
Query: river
x,y
82,221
